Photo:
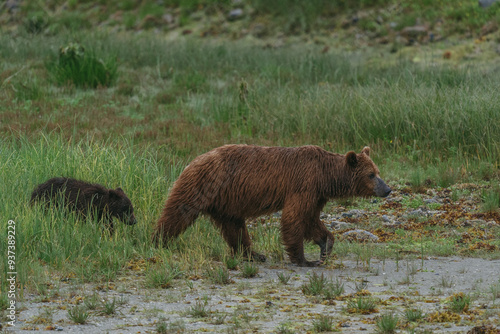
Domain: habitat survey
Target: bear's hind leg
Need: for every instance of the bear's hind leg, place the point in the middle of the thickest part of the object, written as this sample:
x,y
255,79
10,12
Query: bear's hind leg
x,y
234,231
174,220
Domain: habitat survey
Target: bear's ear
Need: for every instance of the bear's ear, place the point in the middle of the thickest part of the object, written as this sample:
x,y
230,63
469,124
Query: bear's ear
x,y
114,194
119,190
352,159
366,150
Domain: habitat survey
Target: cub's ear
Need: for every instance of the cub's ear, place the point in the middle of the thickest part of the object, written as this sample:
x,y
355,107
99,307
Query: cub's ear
x,y
115,194
119,190
366,150
351,158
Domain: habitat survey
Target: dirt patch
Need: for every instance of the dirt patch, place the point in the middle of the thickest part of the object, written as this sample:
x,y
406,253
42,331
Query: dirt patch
x,y
264,304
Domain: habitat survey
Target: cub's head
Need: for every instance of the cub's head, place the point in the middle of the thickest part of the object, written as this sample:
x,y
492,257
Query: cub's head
x,y
121,207
366,178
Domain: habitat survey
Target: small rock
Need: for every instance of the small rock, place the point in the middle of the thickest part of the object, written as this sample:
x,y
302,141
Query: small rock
x,y
474,222
395,199
59,328
486,3
418,33
386,218
489,28
13,5
259,30
361,235
415,32
353,214
338,225
395,224
168,18
235,14
196,16
491,223
430,200
416,213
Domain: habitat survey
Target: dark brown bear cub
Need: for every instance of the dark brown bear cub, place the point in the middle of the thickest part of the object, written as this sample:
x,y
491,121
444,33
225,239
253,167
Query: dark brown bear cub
x,y
84,197
235,182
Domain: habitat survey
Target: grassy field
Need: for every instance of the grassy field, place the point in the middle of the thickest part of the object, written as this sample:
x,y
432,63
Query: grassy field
x,y
431,127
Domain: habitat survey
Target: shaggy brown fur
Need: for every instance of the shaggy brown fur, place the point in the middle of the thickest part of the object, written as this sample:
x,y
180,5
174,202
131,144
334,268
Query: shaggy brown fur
x,y
235,182
83,197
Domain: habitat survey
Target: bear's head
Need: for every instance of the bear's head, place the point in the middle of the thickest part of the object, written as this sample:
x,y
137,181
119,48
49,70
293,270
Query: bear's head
x,y
120,206
366,180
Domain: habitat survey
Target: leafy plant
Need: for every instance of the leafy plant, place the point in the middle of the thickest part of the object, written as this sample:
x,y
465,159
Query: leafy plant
x,y
109,307
78,314
323,323
232,263
363,305
249,270
491,200
333,289
459,302
315,285
219,275
92,302
387,323
83,68
413,314
199,309
283,277
161,276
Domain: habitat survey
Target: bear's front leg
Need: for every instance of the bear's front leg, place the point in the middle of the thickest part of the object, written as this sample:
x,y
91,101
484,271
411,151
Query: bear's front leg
x,y
323,238
326,247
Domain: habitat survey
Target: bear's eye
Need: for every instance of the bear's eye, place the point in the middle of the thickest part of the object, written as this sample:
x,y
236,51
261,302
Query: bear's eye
x,y
372,175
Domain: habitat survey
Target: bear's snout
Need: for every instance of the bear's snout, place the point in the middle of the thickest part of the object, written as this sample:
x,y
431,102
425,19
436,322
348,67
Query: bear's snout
x,y
382,189
131,220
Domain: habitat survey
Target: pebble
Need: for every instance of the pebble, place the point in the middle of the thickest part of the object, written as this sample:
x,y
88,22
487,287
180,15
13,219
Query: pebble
x,y
417,213
486,3
235,14
353,213
393,224
361,235
431,200
386,218
338,225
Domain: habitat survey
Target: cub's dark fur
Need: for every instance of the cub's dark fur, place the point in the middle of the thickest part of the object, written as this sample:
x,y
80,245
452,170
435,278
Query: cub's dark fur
x,y
83,197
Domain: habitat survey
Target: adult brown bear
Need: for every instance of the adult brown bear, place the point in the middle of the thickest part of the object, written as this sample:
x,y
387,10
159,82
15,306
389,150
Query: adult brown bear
x,y
235,182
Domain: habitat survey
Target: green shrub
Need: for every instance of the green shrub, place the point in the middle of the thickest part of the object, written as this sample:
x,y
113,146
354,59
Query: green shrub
x,y
387,323
78,314
323,324
82,68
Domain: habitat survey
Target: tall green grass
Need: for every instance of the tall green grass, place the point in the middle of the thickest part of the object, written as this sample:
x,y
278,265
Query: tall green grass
x,y
298,95
51,242
62,241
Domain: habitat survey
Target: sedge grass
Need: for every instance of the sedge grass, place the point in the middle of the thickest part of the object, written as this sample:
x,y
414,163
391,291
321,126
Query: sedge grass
x,y
292,96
